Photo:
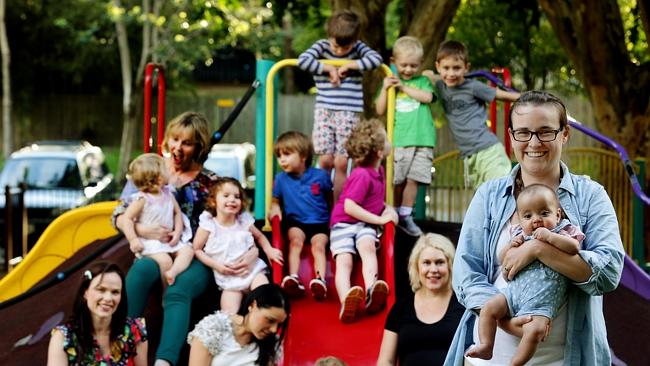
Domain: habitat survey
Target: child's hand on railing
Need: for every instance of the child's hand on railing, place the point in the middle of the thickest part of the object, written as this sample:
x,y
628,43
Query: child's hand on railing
x,y
275,211
389,215
333,73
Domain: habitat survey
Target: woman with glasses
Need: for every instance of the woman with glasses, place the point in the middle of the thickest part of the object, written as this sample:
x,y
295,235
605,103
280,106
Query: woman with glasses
x,y
538,128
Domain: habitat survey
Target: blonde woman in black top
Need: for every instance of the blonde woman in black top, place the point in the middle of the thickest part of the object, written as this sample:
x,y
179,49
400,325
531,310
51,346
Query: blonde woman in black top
x,y
420,328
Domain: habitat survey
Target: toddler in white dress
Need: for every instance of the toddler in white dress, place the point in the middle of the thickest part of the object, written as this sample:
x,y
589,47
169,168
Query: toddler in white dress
x,y
154,204
225,234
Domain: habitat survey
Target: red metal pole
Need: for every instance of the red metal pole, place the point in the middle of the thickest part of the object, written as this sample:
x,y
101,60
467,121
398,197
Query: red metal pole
x,y
161,108
160,119
148,72
507,80
493,112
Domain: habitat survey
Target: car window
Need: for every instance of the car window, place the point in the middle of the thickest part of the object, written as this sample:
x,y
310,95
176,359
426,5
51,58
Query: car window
x,y
224,166
42,173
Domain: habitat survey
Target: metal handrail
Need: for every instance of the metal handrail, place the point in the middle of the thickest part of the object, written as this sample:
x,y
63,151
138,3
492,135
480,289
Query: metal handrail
x,y
160,120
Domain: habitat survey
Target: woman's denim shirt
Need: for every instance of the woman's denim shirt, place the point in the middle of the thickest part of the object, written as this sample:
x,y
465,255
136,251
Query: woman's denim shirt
x,y
588,206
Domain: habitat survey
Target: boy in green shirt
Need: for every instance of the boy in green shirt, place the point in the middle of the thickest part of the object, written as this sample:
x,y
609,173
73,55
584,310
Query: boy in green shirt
x,y
414,135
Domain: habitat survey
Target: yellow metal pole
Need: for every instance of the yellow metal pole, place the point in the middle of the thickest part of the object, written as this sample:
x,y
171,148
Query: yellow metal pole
x,y
268,178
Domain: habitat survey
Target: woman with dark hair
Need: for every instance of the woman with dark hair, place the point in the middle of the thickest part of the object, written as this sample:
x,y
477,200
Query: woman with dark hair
x,y
538,130
98,332
252,336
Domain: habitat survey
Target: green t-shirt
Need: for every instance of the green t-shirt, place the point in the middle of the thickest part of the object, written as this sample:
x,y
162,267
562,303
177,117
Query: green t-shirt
x,y
413,121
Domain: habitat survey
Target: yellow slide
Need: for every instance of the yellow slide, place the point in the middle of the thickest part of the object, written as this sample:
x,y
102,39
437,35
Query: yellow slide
x,y
67,234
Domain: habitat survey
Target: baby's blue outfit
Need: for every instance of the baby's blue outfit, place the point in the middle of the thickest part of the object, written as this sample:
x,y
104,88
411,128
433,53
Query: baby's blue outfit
x,y
537,289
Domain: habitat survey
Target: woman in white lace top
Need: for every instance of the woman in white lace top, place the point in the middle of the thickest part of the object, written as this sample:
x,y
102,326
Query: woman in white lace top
x,y
252,336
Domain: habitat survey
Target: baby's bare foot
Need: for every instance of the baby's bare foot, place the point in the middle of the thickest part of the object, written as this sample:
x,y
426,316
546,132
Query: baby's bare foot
x,y
482,351
170,277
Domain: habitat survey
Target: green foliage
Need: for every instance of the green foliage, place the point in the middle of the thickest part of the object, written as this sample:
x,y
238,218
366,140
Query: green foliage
x,y
394,14
636,41
65,45
515,35
308,19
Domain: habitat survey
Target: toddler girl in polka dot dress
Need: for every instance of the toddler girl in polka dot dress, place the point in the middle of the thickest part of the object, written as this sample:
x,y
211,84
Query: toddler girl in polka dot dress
x,y
537,290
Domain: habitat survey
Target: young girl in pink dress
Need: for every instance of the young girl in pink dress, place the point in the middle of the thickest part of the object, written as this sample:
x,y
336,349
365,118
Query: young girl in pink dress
x,y
154,204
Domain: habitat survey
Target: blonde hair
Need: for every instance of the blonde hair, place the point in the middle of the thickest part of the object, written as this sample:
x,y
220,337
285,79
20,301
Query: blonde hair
x,y
145,172
294,141
366,139
330,361
197,125
408,45
434,241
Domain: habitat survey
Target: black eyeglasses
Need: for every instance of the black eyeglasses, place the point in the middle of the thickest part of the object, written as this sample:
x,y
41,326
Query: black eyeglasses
x,y
542,135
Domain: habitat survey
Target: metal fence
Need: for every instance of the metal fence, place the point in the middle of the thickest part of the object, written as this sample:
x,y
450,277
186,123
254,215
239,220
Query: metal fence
x,y
98,118
447,198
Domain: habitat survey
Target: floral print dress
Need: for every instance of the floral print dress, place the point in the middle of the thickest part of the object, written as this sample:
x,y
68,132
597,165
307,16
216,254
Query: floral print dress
x,y
123,350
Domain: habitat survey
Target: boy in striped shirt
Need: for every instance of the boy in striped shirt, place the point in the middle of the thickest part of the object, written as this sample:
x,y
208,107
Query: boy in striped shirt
x,y
339,101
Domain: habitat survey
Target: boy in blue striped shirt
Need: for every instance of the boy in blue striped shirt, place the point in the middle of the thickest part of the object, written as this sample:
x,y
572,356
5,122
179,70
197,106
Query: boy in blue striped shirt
x,y
339,101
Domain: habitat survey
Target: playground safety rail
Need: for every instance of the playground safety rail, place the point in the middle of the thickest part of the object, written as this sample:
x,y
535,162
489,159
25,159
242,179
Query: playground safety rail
x,y
266,144
160,120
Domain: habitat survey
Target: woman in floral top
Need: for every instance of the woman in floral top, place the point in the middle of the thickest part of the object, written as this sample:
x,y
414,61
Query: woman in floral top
x,y
187,144
98,331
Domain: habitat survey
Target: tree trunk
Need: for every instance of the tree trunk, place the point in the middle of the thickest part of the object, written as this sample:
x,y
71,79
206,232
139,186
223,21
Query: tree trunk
x,y
7,131
372,16
146,38
128,126
157,5
287,50
592,34
428,20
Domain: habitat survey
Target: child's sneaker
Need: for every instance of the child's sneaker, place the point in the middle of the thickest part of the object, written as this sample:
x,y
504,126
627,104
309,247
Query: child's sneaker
x,y
318,289
350,304
376,299
292,286
409,226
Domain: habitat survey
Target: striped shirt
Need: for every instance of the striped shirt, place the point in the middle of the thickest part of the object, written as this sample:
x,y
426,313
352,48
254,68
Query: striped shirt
x,y
348,96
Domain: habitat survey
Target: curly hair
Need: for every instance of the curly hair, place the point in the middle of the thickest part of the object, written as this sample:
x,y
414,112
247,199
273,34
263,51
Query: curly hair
x,y
145,172
197,125
211,201
365,141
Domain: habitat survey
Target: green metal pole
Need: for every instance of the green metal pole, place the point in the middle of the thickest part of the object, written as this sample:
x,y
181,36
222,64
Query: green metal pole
x,y
261,71
638,240
420,202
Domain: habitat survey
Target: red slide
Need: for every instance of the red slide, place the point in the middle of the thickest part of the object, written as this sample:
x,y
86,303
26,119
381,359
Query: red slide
x,y
314,329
